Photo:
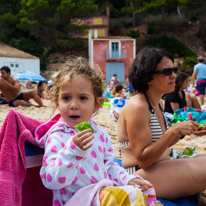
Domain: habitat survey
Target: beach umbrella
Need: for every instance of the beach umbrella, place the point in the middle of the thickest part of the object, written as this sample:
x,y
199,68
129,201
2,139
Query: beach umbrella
x,y
29,75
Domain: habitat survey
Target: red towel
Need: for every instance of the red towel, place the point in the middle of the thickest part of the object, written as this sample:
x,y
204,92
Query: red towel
x,y
16,129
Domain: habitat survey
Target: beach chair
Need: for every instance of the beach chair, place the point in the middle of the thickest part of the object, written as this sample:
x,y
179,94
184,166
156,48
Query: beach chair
x,y
33,190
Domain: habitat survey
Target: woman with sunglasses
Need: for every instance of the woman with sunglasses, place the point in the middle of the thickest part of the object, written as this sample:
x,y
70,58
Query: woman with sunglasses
x,y
179,98
144,136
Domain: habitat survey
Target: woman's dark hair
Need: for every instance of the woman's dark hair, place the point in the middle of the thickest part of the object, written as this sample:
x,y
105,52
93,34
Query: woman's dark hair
x,y
180,80
39,84
143,67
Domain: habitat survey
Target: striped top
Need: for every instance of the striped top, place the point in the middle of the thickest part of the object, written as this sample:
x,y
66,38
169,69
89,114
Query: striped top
x,y
155,128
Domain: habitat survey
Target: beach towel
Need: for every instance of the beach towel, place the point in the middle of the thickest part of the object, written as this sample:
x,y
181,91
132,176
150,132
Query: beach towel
x,y
104,193
192,200
189,113
16,129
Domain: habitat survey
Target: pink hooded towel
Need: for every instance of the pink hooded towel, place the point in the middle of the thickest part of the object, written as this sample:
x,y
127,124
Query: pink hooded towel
x,y
16,129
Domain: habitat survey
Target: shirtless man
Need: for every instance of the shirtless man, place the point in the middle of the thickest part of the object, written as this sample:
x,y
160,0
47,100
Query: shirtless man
x,y
10,88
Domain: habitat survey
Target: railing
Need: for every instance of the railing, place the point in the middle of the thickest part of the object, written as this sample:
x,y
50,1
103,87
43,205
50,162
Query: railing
x,y
115,54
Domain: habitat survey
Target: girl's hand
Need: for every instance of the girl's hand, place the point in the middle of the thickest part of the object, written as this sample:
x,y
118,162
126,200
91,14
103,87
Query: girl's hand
x,y
82,139
185,128
144,185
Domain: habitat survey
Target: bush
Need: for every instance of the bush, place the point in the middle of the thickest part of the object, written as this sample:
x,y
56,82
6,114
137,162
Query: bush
x,y
121,22
155,27
189,62
29,45
170,44
132,33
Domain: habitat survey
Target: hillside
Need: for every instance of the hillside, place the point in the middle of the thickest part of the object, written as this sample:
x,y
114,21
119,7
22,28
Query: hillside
x,y
186,35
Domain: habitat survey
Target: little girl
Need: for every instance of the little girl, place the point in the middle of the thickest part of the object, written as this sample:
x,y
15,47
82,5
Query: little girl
x,y
73,159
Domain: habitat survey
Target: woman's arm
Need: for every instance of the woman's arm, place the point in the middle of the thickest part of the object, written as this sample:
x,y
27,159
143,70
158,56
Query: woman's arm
x,y
174,106
137,118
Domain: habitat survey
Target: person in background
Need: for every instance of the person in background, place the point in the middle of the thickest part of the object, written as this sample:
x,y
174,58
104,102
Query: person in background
x,y
10,88
113,82
179,98
118,91
40,89
29,85
200,74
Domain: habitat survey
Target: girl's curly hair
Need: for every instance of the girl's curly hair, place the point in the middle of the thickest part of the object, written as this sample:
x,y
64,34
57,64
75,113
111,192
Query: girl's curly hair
x,y
143,67
78,66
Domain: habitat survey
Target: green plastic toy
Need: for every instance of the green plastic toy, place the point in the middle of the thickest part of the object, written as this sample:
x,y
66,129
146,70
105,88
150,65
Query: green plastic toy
x,y
84,125
106,104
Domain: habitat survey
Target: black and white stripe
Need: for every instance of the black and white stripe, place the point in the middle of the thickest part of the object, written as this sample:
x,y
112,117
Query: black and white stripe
x,y
155,128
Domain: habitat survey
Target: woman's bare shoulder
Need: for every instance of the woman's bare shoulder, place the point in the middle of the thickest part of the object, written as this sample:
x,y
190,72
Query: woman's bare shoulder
x,y
136,109
136,103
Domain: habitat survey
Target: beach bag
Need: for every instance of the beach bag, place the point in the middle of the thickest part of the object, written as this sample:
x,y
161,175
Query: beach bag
x,y
189,113
117,104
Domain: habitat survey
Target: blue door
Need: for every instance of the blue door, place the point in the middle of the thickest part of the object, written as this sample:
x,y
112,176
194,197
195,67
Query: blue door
x,y
115,68
115,50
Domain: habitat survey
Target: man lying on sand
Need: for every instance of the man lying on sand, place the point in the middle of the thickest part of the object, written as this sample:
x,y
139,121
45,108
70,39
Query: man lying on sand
x,y
10,88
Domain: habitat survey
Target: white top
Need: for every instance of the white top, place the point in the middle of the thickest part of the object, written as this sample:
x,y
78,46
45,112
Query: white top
x,y
67,168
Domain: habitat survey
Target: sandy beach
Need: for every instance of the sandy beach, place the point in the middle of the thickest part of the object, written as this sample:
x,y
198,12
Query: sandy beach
x,y
104,119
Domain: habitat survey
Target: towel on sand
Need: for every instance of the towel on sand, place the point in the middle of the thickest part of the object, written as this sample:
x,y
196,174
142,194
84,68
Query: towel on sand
x,y
16,129
192,200
105,194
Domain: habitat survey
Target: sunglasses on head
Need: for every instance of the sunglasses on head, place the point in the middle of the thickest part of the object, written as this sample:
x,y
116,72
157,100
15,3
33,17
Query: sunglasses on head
x,y
167,71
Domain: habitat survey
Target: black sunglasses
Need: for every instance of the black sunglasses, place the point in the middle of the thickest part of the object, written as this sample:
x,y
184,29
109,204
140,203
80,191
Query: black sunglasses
x,y
167,71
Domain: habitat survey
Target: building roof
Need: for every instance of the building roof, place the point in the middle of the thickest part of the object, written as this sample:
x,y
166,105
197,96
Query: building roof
x,y
113,37
8,51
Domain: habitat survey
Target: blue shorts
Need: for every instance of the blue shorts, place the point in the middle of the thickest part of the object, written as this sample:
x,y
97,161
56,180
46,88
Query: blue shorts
x,y
20,97
200,88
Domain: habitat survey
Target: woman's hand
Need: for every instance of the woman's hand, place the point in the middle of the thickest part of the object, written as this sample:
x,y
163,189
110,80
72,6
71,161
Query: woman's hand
x,y
185,128
82,139
144,185
201,132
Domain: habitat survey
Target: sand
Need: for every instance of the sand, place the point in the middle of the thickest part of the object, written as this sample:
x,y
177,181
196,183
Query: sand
x,y
104,119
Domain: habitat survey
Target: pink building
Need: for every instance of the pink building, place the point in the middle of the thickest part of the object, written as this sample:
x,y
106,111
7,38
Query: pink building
x,y
100,23
113,54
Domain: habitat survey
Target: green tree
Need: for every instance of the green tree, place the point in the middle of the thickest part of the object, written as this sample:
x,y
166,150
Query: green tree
x,y
8,19
201,6
148,4
132,6
55,21
7,27
10,6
